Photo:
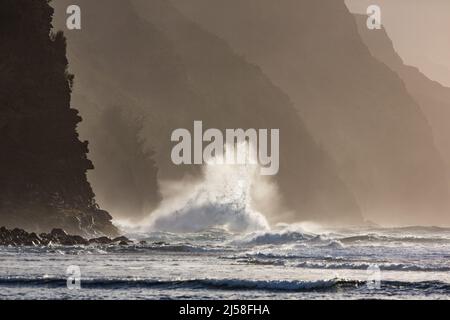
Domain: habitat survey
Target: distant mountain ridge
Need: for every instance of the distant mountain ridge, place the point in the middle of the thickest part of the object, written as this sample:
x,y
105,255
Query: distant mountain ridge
x,y
433,98
354,106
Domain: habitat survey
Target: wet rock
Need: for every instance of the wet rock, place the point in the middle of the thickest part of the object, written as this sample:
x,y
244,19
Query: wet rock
x,y
101,240
58,233
19,237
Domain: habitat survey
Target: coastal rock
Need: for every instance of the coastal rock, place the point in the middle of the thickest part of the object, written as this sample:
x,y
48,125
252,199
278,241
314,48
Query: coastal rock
x,y
19,237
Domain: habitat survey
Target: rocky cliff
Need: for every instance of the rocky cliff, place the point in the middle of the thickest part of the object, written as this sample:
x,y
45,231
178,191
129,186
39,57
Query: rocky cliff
x,y
43,164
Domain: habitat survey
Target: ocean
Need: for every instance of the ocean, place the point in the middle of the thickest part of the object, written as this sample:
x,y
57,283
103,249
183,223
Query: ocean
x,y
285,262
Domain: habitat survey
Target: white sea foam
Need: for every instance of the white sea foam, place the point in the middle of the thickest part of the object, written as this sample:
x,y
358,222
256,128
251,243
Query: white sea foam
x,y
273,237
223,198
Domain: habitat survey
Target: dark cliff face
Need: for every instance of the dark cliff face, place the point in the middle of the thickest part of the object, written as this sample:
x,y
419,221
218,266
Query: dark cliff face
x,y
355,106
43,164
172,71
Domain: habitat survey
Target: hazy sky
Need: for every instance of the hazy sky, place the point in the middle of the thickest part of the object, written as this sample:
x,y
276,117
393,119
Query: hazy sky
x,y
420,30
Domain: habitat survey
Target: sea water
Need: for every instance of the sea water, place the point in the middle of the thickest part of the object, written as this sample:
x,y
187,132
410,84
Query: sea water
x,y
206,241
285,262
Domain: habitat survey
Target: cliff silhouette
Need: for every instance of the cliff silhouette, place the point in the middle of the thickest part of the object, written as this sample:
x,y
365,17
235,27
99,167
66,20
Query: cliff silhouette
x,y
43,162
159,64
356,107
432,97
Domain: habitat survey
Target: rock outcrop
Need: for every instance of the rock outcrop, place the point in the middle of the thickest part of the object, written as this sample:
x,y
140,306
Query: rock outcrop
x,y
20,237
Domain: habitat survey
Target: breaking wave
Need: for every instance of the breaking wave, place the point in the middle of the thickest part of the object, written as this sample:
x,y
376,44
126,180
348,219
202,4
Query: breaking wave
x,y
226,284
404,239
218,284
223,199
274,237
365,266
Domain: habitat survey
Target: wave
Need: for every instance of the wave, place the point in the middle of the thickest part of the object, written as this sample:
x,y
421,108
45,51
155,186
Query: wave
x,y
274,237
223,198
332,240
283,237
430,229
199,216
269,255
226,284
382,238
365,266
334,263
262,262
164,247
209,284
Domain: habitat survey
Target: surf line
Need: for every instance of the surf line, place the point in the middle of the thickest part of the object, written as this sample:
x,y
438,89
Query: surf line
x,y
239,147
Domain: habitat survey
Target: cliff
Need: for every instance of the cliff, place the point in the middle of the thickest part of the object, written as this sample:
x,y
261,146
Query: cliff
x,y
43,163
432,97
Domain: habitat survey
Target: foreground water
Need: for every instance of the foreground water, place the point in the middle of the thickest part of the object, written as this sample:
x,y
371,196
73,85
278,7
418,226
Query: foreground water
x,y
285,263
